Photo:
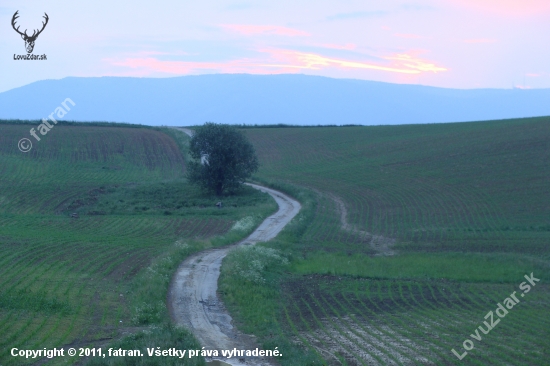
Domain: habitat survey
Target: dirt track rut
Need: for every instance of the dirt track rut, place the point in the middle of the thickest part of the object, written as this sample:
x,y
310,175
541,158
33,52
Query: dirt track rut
x,y
193,300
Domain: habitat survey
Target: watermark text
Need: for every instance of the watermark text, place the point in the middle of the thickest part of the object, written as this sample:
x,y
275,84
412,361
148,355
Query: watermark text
x,y
491,320
25,144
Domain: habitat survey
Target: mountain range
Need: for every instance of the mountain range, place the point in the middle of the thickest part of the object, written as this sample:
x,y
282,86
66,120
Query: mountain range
x,y
265,99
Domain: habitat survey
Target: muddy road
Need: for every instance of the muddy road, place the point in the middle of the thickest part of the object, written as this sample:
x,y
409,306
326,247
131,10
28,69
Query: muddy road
x,y
193,300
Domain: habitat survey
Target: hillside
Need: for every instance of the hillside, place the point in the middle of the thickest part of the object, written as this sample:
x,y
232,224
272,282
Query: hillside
x,y
464,186
410,236
93,222
266,99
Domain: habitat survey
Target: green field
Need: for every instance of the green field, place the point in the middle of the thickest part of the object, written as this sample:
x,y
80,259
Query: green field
x,y
408,236
441,223
96,278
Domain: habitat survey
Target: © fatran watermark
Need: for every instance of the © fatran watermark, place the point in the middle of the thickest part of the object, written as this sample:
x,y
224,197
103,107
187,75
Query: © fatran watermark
x,y
500,311
25,144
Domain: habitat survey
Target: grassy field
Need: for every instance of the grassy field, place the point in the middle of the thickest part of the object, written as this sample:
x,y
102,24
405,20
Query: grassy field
x,y
91,280
409,236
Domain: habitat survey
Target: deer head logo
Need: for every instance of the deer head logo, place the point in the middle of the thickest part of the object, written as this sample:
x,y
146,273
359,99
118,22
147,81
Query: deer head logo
x,y
29,40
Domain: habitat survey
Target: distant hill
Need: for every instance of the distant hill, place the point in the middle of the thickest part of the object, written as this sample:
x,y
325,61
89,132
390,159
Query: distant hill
x,y
266,99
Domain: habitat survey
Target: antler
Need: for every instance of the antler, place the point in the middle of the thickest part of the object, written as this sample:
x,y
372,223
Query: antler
x,y
43,25
15,16
34,34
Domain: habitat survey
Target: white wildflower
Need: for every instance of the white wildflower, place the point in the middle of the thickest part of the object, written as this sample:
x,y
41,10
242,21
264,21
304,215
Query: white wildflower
x,y
244,223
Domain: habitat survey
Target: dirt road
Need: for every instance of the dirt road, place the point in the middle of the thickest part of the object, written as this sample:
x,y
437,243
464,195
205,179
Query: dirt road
x,y
193,300
380,244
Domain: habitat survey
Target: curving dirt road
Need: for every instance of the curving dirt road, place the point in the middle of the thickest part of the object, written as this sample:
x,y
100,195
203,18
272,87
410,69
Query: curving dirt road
x,y
380,244
193,301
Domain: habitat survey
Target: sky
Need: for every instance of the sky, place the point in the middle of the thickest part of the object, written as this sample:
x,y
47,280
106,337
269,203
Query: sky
x,y
462,44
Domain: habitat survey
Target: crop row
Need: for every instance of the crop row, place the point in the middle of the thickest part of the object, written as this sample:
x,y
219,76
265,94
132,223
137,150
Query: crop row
x,y
58,276
362,322
67,280
74,160
74,144
432,188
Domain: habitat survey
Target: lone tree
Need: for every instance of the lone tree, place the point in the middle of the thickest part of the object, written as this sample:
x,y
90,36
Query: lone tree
x,y
224,158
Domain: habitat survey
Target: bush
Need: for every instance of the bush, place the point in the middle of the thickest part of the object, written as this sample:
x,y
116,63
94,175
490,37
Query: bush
x,y
249,262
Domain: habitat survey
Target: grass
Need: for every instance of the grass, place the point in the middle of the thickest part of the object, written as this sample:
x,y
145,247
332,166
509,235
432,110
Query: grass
x,y
463,206
463,186
90,280
464,267
166,198
412,320
249,285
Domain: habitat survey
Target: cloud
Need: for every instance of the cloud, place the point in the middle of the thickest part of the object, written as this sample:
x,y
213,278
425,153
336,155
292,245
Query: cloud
x,y
159,53
334,51
401,63
347,46
250,30
417,7
359,14
274,60
409,36
480,40
510,8
379,13
415,63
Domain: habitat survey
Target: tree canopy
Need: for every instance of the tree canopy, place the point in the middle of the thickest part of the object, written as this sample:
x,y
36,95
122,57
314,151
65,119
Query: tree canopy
x,y
223,158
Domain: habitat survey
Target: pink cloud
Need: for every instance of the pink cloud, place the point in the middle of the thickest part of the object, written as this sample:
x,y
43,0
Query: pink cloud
x,y
277,61
512,8
142,54
348,46
415,63
250,30
404,64
312,61
480,40
410,36
534,75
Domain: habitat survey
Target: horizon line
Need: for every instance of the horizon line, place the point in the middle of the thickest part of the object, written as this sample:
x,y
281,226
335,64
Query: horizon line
x,y
513,88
